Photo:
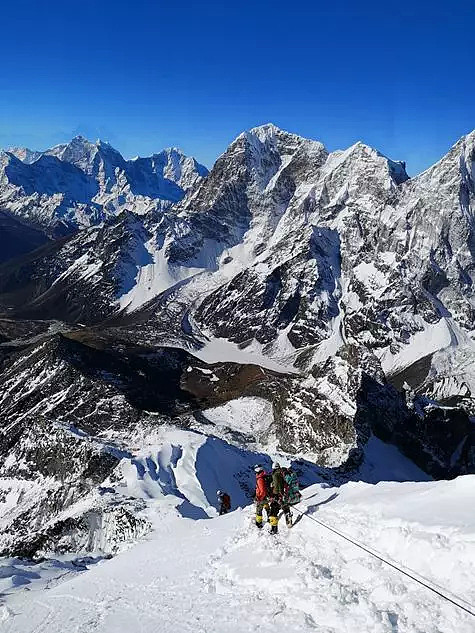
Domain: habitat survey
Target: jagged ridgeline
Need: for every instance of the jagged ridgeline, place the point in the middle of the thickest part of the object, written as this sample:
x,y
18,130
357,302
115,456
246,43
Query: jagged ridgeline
x,y
80,184
329,287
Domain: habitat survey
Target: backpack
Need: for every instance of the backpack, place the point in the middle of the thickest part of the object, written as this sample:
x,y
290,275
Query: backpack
x,y
268,480
226,501
292,493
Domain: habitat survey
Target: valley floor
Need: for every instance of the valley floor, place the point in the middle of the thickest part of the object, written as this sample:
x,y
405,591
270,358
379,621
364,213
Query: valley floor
x,y
223,575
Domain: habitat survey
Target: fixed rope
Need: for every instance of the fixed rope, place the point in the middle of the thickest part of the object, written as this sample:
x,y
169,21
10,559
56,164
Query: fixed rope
x,y
425,582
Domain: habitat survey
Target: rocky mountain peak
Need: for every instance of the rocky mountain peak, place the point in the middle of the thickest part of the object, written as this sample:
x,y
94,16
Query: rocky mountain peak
x,y
363,159
80,183
257,157
466,142
7,156
24,154
267,132
78,143
179,168
452,177
87,155
460,158
270,138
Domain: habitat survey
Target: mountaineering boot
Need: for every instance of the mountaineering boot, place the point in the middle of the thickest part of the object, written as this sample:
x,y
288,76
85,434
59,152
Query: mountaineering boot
x,y
274,529
259,524
288,519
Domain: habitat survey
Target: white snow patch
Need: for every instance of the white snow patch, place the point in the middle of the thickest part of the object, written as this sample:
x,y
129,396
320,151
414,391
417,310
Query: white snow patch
x,y
371,277
219,350
245,415
433,338
153,278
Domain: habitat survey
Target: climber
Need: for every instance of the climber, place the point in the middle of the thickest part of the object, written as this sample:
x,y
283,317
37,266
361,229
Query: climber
x,y
261,494
291,495
224,502
274,507
278,481
277,498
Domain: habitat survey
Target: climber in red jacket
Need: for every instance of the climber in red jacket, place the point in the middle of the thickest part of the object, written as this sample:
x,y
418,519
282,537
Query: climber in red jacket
x,y
261,494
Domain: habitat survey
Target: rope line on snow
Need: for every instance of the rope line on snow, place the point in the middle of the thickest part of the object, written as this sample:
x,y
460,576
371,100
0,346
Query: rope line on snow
x,y
410,573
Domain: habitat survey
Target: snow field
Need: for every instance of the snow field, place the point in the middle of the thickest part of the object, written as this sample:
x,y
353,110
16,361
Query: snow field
x,y
199,572
251,416
429,340
17,575
225,575
341,588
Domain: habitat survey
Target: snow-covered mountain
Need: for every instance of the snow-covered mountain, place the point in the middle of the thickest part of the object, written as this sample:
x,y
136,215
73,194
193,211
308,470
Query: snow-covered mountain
x,y
79,184
328,290
24,154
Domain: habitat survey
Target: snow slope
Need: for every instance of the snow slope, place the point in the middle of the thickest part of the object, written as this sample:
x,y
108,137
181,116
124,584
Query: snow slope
x,y
199,575
200,572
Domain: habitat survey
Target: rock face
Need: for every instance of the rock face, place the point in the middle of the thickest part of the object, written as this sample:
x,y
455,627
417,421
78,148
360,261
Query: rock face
x,y
76,278
327,284
61,399
54,502
79,184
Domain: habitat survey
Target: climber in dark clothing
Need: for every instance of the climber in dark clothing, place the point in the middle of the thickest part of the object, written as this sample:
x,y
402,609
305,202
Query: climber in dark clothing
x,y
274,507
277,502
278,481
224,502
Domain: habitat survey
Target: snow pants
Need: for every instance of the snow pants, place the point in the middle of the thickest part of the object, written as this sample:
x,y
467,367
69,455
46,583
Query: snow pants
x,y
274,515
260,506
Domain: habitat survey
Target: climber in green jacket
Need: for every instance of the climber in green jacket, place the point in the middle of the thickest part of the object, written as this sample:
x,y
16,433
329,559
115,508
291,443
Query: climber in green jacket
x,y
278,481
278,492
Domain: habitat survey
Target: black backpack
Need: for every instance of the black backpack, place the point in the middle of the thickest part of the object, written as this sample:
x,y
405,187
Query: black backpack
x,y
268,480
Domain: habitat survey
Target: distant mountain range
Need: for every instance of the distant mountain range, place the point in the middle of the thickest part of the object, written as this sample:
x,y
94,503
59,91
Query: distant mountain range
x,y
80,184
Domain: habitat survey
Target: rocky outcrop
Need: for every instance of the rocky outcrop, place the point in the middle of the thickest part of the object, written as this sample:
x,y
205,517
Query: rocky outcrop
x,y
48,468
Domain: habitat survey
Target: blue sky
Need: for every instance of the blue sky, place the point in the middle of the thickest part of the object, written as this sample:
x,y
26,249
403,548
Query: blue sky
x,y
148,74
